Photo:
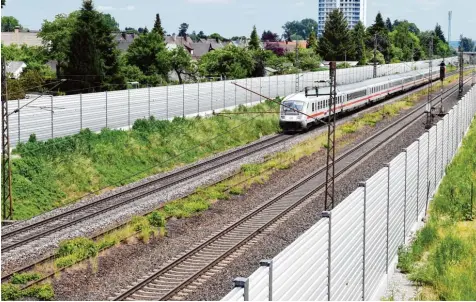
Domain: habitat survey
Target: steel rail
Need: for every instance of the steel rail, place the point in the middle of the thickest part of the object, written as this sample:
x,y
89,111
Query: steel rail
x,y
225,251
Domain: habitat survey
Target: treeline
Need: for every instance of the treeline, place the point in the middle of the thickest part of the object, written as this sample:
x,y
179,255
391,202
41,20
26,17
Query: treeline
x,y
389,42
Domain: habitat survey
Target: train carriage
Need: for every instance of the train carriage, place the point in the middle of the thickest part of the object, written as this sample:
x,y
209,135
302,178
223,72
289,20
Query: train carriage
x,y
299,111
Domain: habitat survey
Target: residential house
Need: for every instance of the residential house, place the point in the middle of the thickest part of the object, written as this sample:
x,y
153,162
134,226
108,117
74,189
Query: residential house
x,y
15,68
288,46
173,41
18,37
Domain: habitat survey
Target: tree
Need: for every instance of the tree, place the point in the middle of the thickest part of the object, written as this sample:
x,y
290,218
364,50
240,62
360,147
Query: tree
x,y
466,44
194,36
148,52
158,26
380,32
335,43
439,33
308,59
404,43
9,23
260,57
35,57
56,36
295,37
217,37
388,24
146,30
3,3
183,30
307,25
312,42
111,22
181,63
358,42
299,28
230,61
269,36
132,30
254,40
201,35
92,57
276,49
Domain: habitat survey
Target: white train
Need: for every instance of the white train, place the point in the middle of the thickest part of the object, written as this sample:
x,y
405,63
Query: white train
x,y
304,109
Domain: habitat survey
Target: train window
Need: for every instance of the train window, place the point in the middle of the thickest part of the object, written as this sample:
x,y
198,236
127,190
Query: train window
x,y
313,107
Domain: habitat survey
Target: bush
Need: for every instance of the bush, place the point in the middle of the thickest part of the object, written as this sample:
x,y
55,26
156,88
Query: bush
x,y
157,219
75,250
24,278
10,292
42,292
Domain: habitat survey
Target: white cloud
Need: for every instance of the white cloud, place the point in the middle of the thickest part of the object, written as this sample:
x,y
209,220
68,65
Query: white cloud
x,y
427,5
129,7
105,8
209,1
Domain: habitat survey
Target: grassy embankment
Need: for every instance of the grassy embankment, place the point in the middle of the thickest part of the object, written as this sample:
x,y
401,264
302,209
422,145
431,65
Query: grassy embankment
x,y
442,258
57,172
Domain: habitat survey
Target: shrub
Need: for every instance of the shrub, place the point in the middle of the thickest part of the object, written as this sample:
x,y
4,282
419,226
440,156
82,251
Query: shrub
x,y
10,292
157,219
24,278
42,292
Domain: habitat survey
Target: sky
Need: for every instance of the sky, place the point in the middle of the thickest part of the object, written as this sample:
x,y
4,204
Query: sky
x,y
237,17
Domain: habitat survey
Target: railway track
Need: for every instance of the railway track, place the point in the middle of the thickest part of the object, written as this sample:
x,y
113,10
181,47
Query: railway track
x,y
167,282
24,235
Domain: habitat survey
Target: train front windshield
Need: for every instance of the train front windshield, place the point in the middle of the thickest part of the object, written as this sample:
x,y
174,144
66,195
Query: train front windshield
x,y
288,106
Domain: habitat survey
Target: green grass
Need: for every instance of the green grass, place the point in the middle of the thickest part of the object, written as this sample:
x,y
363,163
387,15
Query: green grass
x,y
56,172
11,292
443,256
24,278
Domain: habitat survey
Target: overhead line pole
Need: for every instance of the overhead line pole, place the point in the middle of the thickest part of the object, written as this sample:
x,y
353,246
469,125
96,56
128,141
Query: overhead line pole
x,y
7,203
331,139
461,68
429,117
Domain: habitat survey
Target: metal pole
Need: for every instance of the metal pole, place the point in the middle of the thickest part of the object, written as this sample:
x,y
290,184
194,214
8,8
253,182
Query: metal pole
x,y
129,107
224,95
148,92
364,185
461,68
7,202
198,98
375,56
80,111
269,265
429,117
106,108
52,112
183,100
19,113
405,199
211,96
328,214
388,213
331,138
418,182
167,102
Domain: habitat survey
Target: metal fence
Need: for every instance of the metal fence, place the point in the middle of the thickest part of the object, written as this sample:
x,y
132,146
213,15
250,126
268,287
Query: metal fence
x,y
349,253
50,117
